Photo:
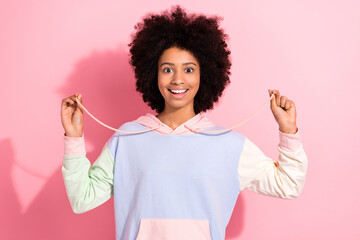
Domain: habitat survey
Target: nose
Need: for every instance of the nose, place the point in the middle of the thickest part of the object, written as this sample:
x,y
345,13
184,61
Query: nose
x,y
178,78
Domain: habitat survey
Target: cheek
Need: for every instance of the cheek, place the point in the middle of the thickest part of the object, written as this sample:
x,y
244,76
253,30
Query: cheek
x,y
162,87
196,82
160,83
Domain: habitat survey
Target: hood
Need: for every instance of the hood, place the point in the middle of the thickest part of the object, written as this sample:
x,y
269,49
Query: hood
x,y
199,121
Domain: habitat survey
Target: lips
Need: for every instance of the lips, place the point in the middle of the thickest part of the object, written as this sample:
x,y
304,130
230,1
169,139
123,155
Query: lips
x,y
178,95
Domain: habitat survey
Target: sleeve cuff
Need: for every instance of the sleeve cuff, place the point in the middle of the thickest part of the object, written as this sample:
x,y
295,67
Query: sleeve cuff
x,y
74,146
290,142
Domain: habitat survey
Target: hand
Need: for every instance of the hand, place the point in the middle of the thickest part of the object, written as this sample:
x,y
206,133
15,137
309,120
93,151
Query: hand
x,y
72,116
284,112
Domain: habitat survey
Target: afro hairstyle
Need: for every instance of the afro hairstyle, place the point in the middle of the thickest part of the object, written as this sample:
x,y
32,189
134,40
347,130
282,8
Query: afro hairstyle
x,y
192,32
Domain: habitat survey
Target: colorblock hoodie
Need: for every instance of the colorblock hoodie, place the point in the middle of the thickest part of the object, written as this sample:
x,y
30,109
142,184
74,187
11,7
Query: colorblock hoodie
x,y
178,184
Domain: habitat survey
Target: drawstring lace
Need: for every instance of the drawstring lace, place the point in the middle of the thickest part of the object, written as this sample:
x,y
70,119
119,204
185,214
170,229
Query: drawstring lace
x,y
192,129
117,130
237,125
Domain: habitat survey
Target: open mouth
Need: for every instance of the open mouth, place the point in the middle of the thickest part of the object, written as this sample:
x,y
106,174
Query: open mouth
x,y
178,91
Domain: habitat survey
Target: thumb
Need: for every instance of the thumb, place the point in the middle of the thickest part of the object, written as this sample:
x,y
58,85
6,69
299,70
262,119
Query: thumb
x,y
272,101
79,97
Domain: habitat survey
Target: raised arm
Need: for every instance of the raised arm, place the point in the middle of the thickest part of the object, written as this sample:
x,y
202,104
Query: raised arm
x,y
284,178
87,186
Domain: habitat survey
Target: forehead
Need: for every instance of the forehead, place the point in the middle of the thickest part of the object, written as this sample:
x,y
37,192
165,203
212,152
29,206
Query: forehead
x,y
177,55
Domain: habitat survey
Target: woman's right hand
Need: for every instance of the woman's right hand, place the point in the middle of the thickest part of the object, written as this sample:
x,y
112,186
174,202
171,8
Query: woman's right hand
x,y
72,116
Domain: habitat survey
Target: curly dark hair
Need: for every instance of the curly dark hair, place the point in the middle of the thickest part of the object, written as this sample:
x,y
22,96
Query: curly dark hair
x,y
193,32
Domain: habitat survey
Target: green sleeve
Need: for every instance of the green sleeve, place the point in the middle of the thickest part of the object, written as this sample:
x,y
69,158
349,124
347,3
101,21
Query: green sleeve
x,y
88,186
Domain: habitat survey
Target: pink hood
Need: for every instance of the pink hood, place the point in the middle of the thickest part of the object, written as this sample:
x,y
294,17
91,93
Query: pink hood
x,y
199,121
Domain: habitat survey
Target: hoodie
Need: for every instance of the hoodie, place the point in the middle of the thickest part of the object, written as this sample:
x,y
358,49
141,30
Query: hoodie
x,y
178,183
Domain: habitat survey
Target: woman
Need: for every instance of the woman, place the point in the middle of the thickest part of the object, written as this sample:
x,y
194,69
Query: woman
x,y
174,181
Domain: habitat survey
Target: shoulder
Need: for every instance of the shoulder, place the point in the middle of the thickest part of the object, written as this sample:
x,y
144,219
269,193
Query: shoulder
x,y
115,138
131,126
127,126
226,135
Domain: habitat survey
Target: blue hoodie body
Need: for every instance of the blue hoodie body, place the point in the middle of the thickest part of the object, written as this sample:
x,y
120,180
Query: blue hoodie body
x,y
184,177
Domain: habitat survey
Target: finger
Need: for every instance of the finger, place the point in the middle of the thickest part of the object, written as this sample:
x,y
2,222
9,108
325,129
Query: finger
x,y
283,101
73,97
67,102
291,103
76,97
79,97
66,105
272,98
272,101
72,101
277,97
271,92
287,105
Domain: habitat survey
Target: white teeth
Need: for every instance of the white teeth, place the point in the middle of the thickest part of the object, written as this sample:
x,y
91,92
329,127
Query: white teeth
x,y
178,91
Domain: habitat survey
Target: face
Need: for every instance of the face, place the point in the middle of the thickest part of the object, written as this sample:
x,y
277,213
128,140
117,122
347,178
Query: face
x,y
178,78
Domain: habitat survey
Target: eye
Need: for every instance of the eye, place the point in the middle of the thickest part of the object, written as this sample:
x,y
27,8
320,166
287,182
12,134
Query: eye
x,y
191,69
165,69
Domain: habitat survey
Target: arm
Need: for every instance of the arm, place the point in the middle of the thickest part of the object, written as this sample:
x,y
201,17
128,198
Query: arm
x,y
86,186
284,178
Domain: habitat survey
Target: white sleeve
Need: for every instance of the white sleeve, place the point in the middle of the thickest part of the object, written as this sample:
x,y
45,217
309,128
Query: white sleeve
x,y
87,186
284,178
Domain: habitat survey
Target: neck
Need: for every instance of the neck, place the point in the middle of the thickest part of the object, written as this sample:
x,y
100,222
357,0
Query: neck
x,y
175,117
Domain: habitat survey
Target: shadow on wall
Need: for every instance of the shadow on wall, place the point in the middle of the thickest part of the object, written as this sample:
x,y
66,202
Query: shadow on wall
x,y
107,85
49,216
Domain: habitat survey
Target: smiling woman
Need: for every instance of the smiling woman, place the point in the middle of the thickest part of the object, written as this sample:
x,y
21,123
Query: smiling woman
x,y
168,180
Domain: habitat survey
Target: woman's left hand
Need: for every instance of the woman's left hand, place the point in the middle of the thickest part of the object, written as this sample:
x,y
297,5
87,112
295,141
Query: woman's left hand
x,y
284,112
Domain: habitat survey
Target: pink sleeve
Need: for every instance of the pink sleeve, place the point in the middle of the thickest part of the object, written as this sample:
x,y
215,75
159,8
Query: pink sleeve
x,y
74,146
284,178
290,142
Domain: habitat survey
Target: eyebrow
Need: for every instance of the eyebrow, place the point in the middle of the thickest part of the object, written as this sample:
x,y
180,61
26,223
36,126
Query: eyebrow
x,y
182,64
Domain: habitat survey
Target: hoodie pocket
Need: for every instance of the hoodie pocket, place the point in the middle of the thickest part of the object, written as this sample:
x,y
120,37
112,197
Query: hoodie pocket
x,y
173,229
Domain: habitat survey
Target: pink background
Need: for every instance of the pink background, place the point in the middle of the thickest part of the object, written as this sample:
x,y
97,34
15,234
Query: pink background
x,y
308,50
